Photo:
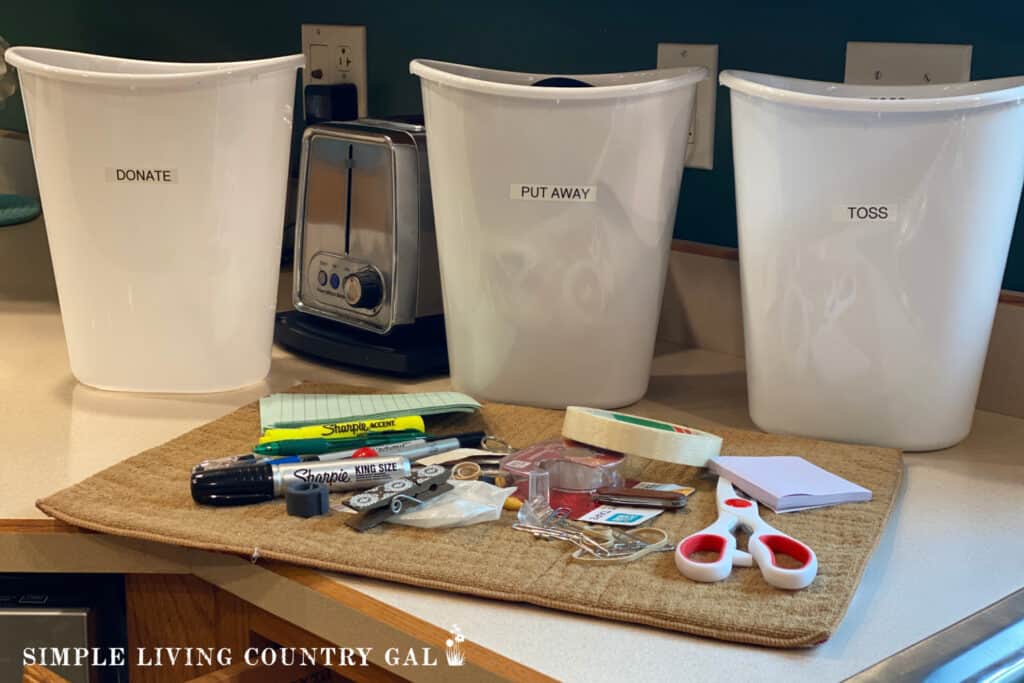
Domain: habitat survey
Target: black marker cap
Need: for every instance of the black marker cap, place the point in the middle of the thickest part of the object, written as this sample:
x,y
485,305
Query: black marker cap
x,y
237,485
471,439
466,439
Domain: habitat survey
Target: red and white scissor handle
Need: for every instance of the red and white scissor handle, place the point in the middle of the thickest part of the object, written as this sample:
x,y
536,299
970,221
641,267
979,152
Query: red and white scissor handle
x,y
765,543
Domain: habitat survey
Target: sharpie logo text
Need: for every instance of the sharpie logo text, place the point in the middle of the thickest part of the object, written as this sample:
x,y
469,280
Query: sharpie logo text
x,y
338,476
349,428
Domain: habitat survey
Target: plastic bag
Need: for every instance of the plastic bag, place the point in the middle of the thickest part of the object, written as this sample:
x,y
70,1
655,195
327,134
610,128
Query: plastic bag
x,y
469,502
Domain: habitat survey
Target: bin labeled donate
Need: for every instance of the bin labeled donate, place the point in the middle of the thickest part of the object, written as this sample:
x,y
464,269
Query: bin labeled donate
x,y
874,226
163,189
554,202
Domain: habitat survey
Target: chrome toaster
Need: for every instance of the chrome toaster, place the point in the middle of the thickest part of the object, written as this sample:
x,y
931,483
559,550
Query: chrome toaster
x,y
365,251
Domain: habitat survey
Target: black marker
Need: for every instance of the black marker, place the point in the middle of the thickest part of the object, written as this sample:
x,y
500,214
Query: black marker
x,y
242,484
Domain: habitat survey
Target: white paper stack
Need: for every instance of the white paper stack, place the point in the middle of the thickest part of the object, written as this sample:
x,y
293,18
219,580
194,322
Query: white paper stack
x,y
787,483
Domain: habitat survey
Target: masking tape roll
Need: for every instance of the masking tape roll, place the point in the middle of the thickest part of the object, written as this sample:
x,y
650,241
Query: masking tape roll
x,y
640,436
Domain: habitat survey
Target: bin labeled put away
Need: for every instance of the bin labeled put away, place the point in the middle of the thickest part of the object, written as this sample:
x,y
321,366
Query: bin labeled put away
x,y
554,201
163,189
874,225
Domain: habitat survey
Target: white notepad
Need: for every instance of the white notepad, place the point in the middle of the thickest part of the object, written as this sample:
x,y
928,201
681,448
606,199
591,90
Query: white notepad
x,y
297,410
787,483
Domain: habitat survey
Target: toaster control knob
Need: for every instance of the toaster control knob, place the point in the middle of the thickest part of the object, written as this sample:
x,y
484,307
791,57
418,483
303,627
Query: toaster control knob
x,y
363,289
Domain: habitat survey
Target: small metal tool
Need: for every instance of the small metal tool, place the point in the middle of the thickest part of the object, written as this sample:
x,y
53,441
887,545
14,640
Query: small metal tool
x,y
640,497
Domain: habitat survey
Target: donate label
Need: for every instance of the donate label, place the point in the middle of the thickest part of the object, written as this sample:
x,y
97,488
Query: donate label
x,y
141,175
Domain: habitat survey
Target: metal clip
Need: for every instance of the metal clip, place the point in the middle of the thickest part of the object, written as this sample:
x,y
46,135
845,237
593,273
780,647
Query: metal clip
x,y
595,543
575,537
377,504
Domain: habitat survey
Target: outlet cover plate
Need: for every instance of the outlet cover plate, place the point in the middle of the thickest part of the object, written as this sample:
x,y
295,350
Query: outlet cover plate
x,y
906,63
700,148
336,54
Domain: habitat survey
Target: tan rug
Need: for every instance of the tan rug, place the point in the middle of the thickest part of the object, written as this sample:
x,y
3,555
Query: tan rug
x,y
147,496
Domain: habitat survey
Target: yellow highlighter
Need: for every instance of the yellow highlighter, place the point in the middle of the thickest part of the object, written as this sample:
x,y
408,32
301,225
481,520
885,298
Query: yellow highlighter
x,y
346,430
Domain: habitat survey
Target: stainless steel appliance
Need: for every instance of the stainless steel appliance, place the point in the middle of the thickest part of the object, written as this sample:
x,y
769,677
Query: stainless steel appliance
x,y
367,287
45,617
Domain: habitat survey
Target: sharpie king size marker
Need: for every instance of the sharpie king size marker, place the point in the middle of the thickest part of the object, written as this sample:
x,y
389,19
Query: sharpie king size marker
x,y
262,481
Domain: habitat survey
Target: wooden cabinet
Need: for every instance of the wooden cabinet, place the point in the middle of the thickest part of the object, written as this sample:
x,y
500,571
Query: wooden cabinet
x,y
243,673
34,673
181,611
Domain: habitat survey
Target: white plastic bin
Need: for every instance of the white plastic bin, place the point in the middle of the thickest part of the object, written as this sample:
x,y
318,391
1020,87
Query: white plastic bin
x,y
554,209
163,189
874,224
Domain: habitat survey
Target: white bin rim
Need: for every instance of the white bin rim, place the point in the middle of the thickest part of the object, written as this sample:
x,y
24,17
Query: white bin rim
x,y
520,84
81,67
875,98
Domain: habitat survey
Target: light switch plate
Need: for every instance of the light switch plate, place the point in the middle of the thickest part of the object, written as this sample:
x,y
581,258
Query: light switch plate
x,y
336,54
907,63
700,148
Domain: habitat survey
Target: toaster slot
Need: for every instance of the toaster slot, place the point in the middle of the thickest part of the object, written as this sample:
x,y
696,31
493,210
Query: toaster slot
x,y
348,199
370,217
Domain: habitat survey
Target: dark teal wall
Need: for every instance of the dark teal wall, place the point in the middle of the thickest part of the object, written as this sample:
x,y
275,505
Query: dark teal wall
x,y
805,39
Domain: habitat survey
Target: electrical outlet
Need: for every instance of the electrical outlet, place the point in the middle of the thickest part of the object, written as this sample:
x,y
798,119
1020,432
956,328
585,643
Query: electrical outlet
x,y
335,54
906,63
700,148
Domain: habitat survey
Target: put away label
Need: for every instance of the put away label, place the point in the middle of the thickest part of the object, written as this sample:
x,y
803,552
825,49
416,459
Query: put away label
x,y
533,192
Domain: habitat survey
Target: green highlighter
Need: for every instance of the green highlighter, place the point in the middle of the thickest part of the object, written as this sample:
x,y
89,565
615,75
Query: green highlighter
x,y
319,446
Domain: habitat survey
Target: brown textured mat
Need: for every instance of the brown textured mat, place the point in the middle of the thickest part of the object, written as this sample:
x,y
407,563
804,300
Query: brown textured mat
x,y
147,496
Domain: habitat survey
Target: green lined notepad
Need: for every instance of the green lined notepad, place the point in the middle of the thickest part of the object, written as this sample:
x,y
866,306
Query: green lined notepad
x,y
296,410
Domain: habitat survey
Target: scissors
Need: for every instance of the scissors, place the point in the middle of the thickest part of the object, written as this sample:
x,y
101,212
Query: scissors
x,y
764,544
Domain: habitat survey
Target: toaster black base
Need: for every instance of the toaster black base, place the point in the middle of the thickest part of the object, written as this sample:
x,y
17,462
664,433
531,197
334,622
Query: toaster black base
x,y
410,350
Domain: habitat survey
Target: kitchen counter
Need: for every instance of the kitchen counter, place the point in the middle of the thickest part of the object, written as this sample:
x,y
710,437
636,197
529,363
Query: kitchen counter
x,y
952,546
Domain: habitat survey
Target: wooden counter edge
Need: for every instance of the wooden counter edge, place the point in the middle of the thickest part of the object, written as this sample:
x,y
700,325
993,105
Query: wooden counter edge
x,y
394,617
39,526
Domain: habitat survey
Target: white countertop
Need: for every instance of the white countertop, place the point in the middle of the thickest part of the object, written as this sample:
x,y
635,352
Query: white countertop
x,y
952,546
58,432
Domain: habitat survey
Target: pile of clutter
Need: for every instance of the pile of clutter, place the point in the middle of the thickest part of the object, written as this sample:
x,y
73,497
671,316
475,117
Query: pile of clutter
x,y
570,489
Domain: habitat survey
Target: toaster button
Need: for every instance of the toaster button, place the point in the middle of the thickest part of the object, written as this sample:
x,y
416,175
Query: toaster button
x,y
363,289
